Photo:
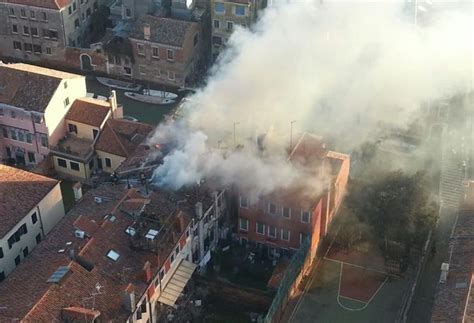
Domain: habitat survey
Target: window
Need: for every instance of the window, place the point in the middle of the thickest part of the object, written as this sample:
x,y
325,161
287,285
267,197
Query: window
x,y
34,218
53,34
303,237
76,23
108,162
244,224
62,163
196,40
25,252
128,12
95,133
141,49
305,216
44,140
286,212
66,102
285,234
9,151
2,276
26,30
219,7
272,231
69,10
260,228
34,32
32,15
45,16
244,202
28,47
21,136
217,24
72,127
141,69
23,13
83,16
1,253
172,258
17,45
65,84
216,40
28,138
17,260
13,135
143,307
88,12
230,26
170,55
74,6
239,10
155,52
74,166
14,29
11,11
177,250
272,209
37,49
48,50
91,164
171,75
31,157
38,238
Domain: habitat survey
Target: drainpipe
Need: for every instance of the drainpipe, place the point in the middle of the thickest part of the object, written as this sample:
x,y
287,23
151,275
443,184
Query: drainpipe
x,y
41,220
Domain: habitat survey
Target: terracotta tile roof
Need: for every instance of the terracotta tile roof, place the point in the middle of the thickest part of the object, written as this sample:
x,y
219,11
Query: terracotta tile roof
x,y
18,185
89,111
454,300
29,87
165,31
122,137
35,300
49,4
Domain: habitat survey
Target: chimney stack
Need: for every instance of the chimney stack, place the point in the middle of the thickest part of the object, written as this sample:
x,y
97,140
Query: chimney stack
x,y
117,111
198,210
147,271
129,298
146,31
77,188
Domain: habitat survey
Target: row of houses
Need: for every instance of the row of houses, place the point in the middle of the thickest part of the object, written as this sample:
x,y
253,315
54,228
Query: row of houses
x,y
148,41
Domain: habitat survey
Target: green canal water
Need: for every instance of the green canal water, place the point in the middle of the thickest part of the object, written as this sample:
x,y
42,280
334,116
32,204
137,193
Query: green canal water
x,y
149,113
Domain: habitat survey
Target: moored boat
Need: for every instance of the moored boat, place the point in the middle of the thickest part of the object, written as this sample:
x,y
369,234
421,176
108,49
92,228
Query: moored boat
x,y
151,99
117,84
161,94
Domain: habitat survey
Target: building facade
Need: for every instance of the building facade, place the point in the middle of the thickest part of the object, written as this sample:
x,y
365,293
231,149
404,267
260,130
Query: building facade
x,y
227,14
36,31
34,102
26,223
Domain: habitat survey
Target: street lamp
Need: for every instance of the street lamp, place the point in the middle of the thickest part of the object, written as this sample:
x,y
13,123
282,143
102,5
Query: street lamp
x,y
235,123
291,135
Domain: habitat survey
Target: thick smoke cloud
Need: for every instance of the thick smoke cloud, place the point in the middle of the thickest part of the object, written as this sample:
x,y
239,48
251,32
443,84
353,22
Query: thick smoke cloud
x,y
337,69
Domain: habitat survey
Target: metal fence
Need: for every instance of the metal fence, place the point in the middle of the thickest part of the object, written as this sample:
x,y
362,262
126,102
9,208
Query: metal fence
x,y
298,266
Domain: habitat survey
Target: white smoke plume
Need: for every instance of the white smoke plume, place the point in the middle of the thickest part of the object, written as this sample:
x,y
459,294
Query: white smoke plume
x,y
337,69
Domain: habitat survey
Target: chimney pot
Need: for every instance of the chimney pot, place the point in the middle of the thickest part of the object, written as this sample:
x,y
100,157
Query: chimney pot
x,y
146,31
147,271
77,188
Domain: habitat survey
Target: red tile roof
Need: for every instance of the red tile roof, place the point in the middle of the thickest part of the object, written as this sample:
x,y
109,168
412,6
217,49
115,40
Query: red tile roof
x,y
122,137
25,294
20,192
49,4
89,111
454,300
28,86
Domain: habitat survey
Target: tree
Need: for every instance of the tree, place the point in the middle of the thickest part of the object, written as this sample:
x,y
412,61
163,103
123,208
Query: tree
x,y
396,206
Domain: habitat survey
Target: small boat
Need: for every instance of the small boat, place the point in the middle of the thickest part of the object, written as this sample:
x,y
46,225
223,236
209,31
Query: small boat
x,y
117,84
130,118
145,98
161,94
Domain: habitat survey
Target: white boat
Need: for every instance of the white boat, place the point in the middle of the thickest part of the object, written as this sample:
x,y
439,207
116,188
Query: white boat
x,y
117,84
145,98
161,94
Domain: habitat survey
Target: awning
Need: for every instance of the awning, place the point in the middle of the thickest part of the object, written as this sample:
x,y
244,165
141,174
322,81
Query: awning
x,y
176,284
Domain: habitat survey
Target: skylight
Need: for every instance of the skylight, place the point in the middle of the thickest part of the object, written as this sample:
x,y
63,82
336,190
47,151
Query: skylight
x,y
58,274
113,255
130,231
151,235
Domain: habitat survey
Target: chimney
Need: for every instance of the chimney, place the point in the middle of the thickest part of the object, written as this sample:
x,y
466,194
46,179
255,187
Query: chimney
x,y
146,31
129,298
198,210
182,222
147,271
77,188
117,110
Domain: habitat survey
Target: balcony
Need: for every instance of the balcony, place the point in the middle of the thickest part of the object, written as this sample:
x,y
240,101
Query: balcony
x,y
74,148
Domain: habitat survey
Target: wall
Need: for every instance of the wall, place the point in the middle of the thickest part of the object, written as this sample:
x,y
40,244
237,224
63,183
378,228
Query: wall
x,y
56,111
49,212
81,175
83,130
116,161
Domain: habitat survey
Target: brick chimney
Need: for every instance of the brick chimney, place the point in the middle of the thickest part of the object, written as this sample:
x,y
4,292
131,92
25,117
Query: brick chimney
x,y
146,31
77,188
147,271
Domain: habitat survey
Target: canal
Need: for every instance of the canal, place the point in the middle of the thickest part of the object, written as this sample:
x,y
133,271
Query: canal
x,y
148,113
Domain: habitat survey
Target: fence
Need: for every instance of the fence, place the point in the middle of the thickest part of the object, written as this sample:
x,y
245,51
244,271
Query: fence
x,y
299,266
